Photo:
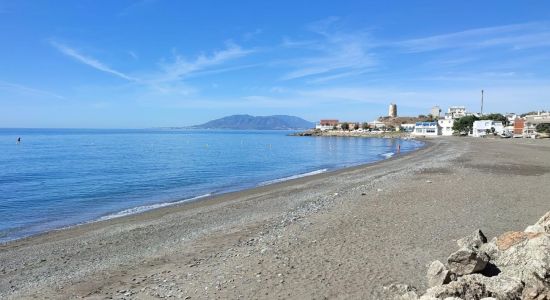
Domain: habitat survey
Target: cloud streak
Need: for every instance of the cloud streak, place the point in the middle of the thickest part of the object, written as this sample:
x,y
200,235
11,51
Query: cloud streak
x,y
27,90
181,68
517,36
338,54
92,62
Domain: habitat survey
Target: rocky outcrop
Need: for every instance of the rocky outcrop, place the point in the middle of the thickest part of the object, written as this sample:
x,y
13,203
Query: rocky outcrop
x,y
515,265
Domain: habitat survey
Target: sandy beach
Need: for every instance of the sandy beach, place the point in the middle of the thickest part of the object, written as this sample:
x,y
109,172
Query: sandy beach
x,y
344,234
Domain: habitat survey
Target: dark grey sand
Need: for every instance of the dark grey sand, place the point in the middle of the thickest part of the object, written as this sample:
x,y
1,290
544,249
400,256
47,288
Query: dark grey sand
x,y
345,234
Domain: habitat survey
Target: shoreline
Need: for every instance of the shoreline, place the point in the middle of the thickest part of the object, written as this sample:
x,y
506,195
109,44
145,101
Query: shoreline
x,y
180,202
346,233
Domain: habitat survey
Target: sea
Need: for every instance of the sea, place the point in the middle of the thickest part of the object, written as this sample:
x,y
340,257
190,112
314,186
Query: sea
x,y
57,178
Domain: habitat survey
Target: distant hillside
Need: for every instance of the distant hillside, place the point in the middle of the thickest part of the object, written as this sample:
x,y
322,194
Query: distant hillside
x,y
278,122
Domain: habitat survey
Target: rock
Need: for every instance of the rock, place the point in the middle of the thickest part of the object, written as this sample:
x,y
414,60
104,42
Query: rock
x,y
542,225
438,274
512,238
460,288
536,293
408,296
525,257
474,240
467,261
477,286
401,291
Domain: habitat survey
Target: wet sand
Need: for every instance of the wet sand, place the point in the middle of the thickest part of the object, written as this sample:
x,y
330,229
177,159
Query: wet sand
x,y
344,234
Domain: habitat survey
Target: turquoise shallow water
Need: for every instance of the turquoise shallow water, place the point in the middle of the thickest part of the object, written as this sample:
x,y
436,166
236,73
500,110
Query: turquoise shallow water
x,y
60,177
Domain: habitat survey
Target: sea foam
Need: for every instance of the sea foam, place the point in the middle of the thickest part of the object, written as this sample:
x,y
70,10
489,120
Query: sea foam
x,y
293,177
140,209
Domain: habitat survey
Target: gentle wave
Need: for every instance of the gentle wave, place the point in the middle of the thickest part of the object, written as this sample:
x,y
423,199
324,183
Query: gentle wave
x,y
388,155
140,209
292,177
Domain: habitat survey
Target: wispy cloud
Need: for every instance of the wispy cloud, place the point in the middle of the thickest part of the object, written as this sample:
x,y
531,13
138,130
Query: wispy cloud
x,y
90,61
133,55
516,36
27,90
337,54
181,68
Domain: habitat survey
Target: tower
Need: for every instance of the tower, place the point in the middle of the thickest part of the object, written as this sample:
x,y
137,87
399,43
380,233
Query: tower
x,y
392,111
436,112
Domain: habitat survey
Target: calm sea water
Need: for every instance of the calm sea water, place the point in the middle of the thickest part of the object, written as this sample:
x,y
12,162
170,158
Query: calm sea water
x,y
60,177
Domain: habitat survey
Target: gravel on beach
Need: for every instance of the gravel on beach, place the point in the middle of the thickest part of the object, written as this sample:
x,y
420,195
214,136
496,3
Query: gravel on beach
x,y
344,234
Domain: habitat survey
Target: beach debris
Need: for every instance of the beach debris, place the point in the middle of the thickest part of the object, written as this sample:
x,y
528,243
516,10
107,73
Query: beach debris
x,y
467,261
428,181
516,265
379,190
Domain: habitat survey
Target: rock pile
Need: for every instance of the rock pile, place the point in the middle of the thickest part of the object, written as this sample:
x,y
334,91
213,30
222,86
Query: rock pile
x,y
515,265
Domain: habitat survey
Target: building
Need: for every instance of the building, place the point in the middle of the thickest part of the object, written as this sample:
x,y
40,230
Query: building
x,y
407,127
392,111
426,128
435,112
531,122
446,126
480,128
327,124
377,124
456,112
519,126
511,117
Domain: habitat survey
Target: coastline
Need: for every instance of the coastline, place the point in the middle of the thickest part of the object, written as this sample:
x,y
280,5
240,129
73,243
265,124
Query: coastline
x,y
230,230
210,194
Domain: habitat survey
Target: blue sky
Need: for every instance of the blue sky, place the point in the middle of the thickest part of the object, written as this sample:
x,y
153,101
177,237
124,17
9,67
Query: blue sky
x,y
135,64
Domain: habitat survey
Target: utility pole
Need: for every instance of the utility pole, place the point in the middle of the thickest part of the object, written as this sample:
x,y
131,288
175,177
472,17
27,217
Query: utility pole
x,y
482,102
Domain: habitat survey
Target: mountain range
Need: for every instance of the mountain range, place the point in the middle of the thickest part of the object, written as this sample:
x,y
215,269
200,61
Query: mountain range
x,y
276,122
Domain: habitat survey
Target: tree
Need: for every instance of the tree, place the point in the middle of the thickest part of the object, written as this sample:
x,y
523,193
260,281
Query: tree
x,y
543,128
356,126
345,126
365,126
464,124
496,117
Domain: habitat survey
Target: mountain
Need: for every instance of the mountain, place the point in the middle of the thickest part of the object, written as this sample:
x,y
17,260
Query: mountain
x,y
278,122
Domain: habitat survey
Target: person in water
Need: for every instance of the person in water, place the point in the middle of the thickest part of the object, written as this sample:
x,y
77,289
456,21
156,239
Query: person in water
x,y
19,140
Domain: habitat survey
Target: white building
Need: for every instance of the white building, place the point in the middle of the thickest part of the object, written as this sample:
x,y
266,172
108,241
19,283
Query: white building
x,y
426,128
377,124
481,127
455,112
409,127
446,126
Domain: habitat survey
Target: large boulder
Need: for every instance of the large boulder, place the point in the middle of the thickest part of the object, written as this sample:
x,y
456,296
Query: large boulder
x,y
438,274
467,261
525,256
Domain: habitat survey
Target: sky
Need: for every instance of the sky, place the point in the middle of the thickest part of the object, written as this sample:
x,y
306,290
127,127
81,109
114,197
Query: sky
x,y
141,64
